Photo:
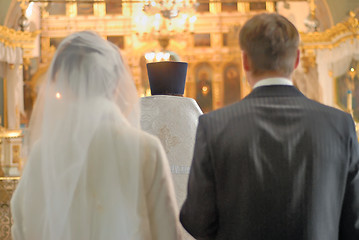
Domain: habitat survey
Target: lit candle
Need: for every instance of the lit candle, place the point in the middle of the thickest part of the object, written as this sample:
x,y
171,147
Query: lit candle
x,y
192,20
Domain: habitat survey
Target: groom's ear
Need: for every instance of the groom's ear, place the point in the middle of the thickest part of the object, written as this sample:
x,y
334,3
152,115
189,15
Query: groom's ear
x,y
297,59
246,62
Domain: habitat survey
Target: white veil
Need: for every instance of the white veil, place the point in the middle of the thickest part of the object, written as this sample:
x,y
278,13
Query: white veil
x,y
88,86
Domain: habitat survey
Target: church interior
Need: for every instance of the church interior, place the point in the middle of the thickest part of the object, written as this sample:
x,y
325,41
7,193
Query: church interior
x,y
203,33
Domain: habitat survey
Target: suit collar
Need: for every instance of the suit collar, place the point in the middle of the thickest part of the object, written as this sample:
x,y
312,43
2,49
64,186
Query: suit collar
x,y
276,91
273,81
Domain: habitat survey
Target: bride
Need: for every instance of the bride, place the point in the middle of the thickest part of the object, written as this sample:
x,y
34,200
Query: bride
x,y
91,172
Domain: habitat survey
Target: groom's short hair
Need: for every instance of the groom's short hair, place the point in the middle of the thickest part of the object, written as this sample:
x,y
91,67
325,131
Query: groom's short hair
x,y
271,42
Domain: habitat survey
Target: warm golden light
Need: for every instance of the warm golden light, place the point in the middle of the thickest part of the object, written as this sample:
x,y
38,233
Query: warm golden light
x,y
144,20
10,134
159,56
167,18
58,95
150,56
14,134
205,90
148,92
157,22
352,69
166,56
192,19
182,20
29,10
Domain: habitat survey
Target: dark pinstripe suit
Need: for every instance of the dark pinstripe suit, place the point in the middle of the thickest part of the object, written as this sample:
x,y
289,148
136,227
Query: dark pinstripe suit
x,y
274,166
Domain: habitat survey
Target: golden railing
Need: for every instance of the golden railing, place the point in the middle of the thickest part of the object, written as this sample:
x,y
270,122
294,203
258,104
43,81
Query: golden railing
x,y
7,187
10,159
333,36
329,39
12,38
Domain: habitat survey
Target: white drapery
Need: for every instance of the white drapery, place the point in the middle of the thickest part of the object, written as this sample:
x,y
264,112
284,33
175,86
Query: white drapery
x,y
333,63
10,55
11,71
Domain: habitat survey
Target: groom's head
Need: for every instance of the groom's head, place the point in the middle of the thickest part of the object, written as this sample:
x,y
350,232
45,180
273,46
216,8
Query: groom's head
x,y
270,45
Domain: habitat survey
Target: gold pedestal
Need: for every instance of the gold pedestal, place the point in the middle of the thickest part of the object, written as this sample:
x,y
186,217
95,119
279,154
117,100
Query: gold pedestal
x,y
10,153
10,165
7,188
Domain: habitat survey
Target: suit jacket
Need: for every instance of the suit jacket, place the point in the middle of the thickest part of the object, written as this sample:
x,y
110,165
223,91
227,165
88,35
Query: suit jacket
x,y
275,165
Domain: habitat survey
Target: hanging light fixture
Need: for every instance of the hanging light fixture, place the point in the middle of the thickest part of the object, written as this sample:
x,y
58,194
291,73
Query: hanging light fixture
x,y
23,21
166,18
312,22
169,9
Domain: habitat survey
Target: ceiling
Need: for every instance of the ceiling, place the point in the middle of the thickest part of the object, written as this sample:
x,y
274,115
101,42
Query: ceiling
x,y
338,9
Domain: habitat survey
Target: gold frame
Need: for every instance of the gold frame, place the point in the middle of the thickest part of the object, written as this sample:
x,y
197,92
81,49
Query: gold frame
x,y
327,39
25,40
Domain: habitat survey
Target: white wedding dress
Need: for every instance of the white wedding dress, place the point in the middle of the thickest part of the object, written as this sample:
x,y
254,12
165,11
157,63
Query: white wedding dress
x,y
156,211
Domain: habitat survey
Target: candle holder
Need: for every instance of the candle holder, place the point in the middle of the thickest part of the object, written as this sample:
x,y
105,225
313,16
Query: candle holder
x,y
350,103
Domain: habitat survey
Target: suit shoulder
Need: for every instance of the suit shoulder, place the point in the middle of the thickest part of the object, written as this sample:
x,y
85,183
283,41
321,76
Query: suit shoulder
x,y
223,113
325,109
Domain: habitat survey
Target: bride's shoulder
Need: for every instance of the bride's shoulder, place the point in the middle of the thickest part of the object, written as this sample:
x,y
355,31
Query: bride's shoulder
x,y
127,133
146,138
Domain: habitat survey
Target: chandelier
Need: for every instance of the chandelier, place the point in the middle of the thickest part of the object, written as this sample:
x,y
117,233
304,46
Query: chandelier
x,y
169,9
161,19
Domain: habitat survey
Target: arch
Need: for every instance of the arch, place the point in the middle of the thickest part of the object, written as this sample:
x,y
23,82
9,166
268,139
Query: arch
x,y
4,7
324,15
12,15
231,83
203,73
356,11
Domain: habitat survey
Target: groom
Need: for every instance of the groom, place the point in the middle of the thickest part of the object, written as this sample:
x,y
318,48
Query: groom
x,y
275,165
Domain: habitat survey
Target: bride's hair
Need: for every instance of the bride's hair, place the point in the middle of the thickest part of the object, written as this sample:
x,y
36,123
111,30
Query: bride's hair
x,y
88,64
84,67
